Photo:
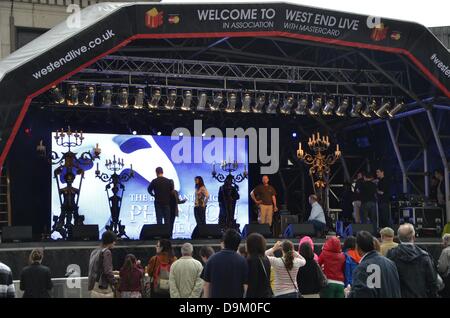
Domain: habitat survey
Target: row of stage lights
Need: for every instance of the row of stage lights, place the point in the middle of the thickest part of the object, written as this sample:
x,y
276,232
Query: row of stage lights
x,y
256,102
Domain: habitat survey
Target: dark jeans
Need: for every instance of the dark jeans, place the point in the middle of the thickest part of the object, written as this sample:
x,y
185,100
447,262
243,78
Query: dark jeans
x,y
384,214
290,295
200,215
369,209
319,227
162,212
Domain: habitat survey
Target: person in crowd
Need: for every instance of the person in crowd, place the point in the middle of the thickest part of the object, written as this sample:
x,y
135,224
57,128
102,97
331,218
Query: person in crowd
x,y
332,261
285,269
387,240
377,245
201,200
383,196
346,202
7,289
226,272
205,253
131,275
258,268
317,216
418,278
264,196
101,281
184,279
159,269
308,240
357,197
162,189
386,284
352,259
310,278
228,196
35,279
440,187
444,266
174,202
368,192
243,251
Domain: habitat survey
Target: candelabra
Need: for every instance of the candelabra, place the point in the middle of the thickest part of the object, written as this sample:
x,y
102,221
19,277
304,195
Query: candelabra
x,y
229,167
69,167
115,184
320,163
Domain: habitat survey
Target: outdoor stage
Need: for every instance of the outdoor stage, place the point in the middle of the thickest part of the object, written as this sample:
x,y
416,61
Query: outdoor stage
x,y
59,255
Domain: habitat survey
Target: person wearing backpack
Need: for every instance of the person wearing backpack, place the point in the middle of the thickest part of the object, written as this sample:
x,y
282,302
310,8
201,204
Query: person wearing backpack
x,y
310,278
159,269
101,281
352,259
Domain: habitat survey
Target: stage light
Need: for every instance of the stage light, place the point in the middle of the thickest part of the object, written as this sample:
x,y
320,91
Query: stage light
x,y
217,101
369,109
202,99
90,96
134,132
356,109
329,107
156,97
246,101
273,104
171,99
383,109
106,97
316,106
341,110
259,104
122,99
139,99
187,99
180,134
231,103
73,96
57,95
294,135
302,105
158,133
287,105
203,135
391,113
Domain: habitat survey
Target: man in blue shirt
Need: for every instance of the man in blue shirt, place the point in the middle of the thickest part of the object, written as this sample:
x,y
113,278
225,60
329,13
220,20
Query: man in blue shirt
x,y
317,216
226,272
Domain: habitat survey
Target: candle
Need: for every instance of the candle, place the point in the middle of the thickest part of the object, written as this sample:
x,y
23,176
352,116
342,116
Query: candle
x,y
337,147
300,145
97,166
318,136
131,166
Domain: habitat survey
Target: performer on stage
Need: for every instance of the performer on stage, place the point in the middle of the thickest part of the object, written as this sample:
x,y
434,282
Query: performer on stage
x,y
368,201
357,197
383,199
228,195
264,196
161,188
174,201
201,199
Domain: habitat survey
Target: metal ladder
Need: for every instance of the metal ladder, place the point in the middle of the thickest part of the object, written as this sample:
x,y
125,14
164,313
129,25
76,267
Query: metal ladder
x,y
5,200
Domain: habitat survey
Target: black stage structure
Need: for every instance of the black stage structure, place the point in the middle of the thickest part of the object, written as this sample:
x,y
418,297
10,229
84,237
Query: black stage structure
x,y
270,49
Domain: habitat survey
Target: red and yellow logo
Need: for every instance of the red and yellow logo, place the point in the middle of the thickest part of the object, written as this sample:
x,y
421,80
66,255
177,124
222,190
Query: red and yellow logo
x,y
379,32
154,18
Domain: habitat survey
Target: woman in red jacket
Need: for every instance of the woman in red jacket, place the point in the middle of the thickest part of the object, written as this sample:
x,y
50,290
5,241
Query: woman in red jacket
x,y
332,261
131,275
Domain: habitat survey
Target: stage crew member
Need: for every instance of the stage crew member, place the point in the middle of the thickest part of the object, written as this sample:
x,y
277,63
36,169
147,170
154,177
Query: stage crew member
x,y
161,188
264,196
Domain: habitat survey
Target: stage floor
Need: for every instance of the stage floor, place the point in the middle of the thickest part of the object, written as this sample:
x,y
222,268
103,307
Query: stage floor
x,y
58,255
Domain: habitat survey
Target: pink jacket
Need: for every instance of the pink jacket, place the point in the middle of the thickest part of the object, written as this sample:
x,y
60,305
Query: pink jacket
x,y
308,240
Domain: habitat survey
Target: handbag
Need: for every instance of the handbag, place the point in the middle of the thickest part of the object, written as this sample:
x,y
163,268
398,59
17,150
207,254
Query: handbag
x,y
267,276
299,295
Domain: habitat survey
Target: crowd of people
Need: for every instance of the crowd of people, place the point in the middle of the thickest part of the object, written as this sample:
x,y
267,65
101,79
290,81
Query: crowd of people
x,y
363,266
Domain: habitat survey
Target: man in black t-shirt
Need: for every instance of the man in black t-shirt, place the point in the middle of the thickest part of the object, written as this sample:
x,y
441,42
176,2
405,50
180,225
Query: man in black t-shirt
x,y
383,199
368,190
161,188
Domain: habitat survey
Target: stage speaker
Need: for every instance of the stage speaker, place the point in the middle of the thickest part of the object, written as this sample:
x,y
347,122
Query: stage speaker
x,y
299,230
263,229
155,232
356,227
86,232
286,220
210,231
17,234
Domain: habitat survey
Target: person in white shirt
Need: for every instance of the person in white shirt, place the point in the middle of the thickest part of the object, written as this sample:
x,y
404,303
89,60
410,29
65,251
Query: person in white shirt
x,y
317,216
285,269
184,278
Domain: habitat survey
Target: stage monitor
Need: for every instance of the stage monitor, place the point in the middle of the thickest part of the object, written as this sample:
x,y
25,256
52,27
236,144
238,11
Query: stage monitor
x,y
182,158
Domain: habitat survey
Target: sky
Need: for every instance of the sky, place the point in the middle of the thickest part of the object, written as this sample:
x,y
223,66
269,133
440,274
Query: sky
x,y
430,13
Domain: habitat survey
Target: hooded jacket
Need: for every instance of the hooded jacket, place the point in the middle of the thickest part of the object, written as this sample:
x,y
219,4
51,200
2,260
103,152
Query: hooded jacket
x,y
416,271
332,260
308,240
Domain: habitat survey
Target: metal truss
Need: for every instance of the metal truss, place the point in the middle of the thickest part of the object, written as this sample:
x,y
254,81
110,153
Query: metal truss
x,y
226,71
